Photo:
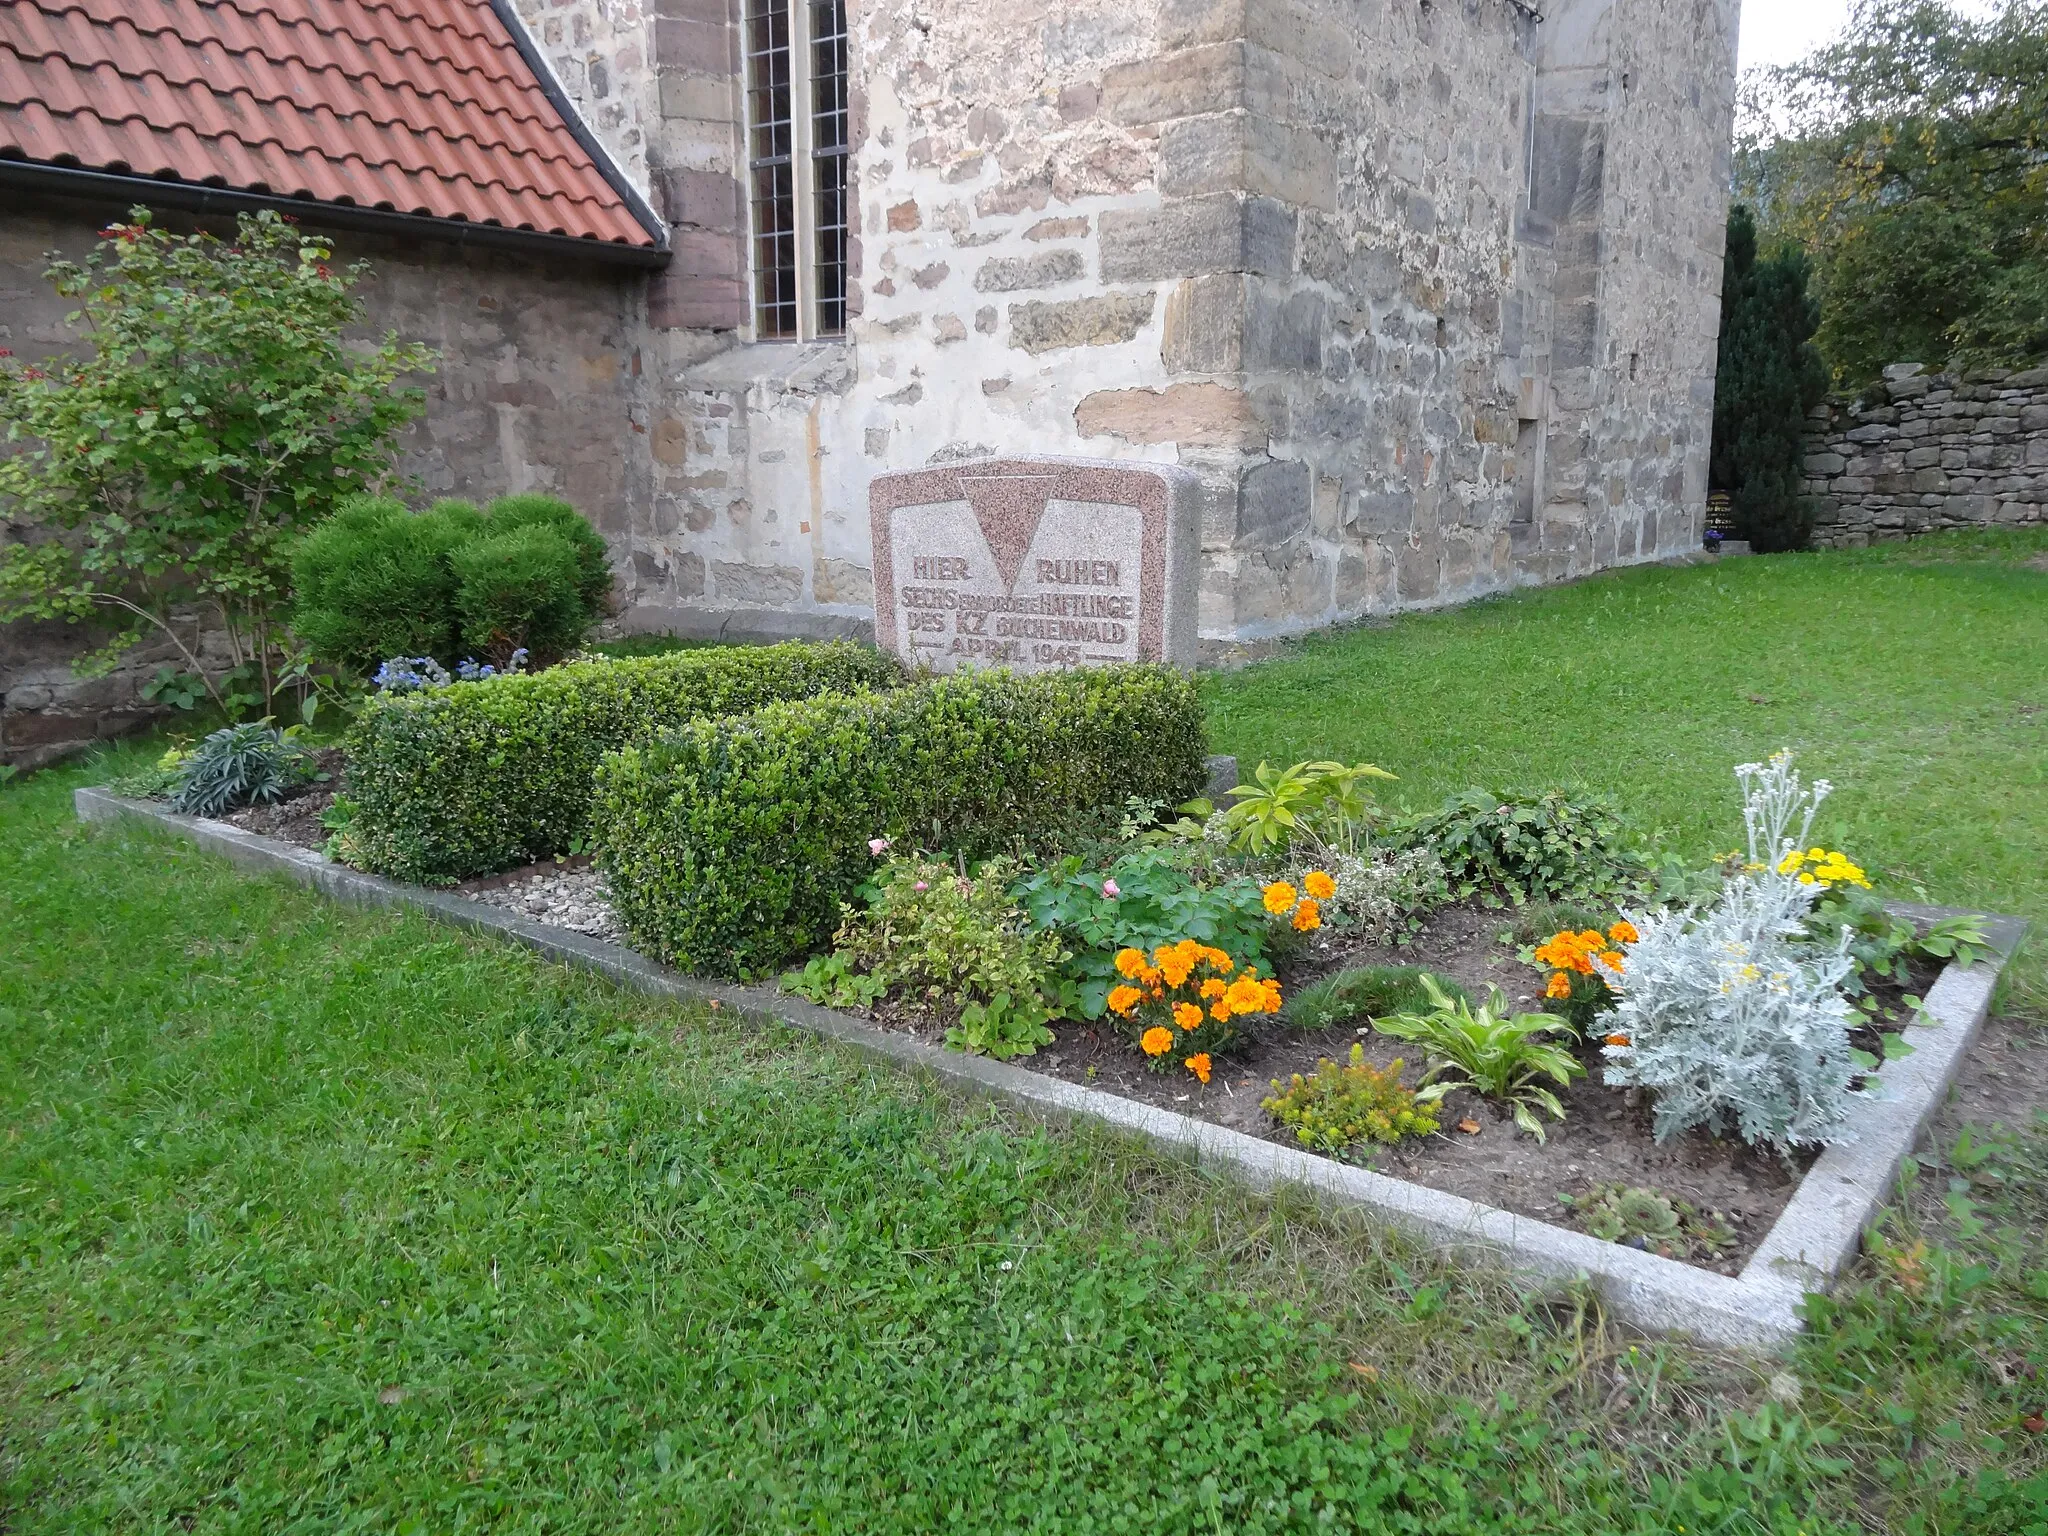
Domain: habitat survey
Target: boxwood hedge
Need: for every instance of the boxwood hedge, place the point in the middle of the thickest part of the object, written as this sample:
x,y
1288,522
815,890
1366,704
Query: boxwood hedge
x,y
478,777
730,843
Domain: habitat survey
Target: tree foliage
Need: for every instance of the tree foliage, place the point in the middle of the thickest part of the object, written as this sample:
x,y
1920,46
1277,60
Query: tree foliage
x,y
219,414
1770,376
1911,159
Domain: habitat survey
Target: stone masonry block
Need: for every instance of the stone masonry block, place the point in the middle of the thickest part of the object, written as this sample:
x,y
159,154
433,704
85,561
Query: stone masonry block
x,y
1205,325
1283,332
697,47
698,98
1274,504
1007,274
1191,415
1225,232
1103,321
706,199
1196,80
1240,152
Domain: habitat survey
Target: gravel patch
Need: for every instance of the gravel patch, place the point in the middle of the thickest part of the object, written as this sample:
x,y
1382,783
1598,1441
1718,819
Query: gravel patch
x,y
576,899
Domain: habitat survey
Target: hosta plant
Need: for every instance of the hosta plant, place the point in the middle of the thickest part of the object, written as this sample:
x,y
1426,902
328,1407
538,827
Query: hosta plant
x,y
1501,1056
1341,1109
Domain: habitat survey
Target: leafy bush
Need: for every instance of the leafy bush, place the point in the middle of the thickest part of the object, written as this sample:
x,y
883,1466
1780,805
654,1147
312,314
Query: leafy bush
x,y
730,843
1497,1055
249,764
1149,896
950,940
377,581
478,777
1182,1002
157,781
1551,847
1365,992
222,414
1338,1109
1732,1016
1317,807
1382,894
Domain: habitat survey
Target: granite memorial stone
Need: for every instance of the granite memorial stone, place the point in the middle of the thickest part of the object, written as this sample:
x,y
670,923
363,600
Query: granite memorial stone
x,y
1036,563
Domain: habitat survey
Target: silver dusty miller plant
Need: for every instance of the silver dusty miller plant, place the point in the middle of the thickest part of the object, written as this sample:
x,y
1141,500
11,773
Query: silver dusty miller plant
x,y
1732,1016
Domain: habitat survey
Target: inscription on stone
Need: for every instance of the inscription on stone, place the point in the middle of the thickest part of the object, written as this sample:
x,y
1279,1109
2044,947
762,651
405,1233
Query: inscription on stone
x,y
1036,564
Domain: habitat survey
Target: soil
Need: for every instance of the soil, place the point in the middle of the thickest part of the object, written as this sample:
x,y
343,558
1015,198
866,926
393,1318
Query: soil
x,y
296,818
1604,1138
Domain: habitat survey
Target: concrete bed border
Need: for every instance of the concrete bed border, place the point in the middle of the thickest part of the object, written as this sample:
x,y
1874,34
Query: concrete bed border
x,y
1814,1237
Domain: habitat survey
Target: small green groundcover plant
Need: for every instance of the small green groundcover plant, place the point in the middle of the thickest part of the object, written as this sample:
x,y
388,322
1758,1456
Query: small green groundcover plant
x,y
1342,1110
376,581
944,940
1648,1219
1515,849
1496,1054
1363,992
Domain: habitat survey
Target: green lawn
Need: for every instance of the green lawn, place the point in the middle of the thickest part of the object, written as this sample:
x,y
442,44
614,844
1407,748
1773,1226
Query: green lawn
x,y
1914,676
314,1219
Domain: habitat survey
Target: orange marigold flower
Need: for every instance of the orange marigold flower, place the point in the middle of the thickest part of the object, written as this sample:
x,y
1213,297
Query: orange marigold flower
x,y
1213,987
1319,885
1245,996
1199,1065
1617,1039
1156,1041
1560,985
1147,977
1624,932
1221,961
1614,960
1280,896
1308,917
1221,1010
1124,999
1188,1015
1272,991
1130,962
1582,963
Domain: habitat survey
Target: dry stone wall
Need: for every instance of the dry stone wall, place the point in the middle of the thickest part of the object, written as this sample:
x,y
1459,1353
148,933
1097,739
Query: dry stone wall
x,y
1936,451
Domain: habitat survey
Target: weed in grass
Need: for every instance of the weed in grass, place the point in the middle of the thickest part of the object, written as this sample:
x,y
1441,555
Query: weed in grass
x,y
1362,993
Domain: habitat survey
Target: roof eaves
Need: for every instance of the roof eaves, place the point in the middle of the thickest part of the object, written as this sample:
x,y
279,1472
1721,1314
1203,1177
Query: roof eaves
x,y
166,192
544,74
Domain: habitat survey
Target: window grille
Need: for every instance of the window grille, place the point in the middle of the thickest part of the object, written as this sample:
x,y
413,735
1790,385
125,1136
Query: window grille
x,y
797,165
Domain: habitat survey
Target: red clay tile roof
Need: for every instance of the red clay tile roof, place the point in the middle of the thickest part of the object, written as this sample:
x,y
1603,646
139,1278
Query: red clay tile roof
x,y
411,106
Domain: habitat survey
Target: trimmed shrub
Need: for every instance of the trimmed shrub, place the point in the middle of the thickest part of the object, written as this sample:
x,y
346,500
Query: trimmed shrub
x,y
530,509
729,844
478,777
516,591
374,581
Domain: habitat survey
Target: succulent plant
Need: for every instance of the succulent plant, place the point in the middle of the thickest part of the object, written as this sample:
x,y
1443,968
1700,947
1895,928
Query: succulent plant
x,y
1648,1219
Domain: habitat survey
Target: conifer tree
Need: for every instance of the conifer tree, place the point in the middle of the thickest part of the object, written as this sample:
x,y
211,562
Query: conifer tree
x,y
1770,376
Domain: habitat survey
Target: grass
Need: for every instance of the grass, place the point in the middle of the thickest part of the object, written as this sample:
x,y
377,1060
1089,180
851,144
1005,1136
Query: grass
x,y
313,1219
1915,676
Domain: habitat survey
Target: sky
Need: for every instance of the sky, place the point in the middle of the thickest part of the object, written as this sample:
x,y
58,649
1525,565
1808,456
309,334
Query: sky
x,y
1779,31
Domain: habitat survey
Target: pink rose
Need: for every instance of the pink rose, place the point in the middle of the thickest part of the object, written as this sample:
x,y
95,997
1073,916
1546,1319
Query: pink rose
x,y
1109,889
920,886
878,846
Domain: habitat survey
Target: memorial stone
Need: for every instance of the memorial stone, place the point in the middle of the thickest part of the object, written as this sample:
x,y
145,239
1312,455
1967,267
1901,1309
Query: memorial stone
x,y
1036,563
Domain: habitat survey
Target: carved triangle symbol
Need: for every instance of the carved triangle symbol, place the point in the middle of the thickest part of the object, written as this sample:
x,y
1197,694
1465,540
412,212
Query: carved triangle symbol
x,y
1009,508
